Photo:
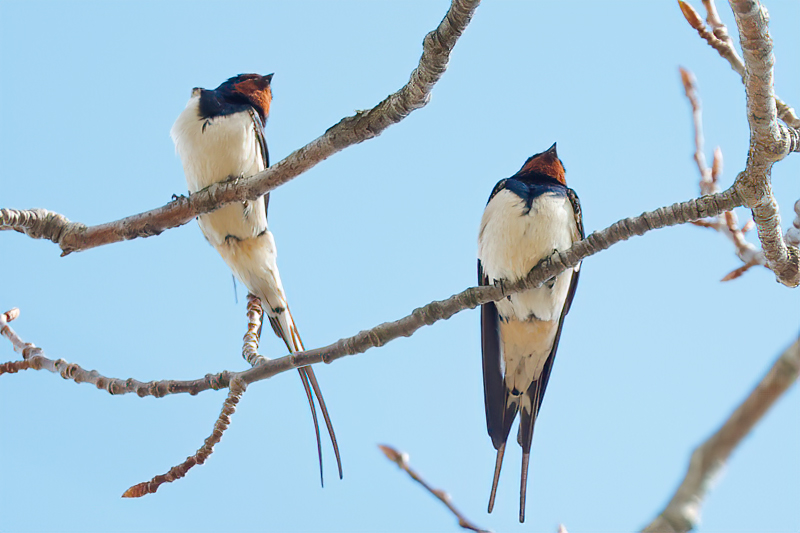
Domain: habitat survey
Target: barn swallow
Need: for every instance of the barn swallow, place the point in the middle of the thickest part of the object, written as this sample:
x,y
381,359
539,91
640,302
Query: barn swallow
x,y
219,137
528,217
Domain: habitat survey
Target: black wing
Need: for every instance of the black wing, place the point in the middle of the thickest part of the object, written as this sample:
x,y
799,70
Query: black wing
x,y
576,206
497,188
494,390
262,141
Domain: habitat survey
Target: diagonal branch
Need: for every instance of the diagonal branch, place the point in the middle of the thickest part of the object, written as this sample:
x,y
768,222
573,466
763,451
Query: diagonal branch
x,y
401,460
683,511
681,213
364,125
770,141
237,388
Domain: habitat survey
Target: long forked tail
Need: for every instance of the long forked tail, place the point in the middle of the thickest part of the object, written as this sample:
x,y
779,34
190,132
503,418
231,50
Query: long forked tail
x,y
498,464
523,486
285,328
525,438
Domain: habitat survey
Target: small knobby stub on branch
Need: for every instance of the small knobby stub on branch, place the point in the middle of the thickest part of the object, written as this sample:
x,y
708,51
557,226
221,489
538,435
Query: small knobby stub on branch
x,y
72,237
683,511
401,460
237,388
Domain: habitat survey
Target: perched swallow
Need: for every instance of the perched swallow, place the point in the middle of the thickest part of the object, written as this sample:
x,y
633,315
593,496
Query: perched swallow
x,y
528,217
219,137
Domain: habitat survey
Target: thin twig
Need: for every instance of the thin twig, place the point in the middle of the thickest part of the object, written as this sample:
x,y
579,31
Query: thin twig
x,y
237,388
364,125
726,223
34,358
251,355
690,88
720,41
683,511
681,213
401,460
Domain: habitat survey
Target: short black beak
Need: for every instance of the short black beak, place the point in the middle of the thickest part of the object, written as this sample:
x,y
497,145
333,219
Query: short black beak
x,y
268,77
552,150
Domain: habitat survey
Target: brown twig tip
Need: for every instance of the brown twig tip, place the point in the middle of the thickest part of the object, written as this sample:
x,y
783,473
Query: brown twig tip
x,y
11,314
716,165
692,16
401,459
738,272
688,80
137,491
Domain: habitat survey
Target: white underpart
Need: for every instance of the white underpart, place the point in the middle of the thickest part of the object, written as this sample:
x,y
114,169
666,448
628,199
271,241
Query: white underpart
x,y
510,244
213,150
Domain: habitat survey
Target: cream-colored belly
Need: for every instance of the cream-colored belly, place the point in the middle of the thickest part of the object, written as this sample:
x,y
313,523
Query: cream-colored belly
x,y
511,243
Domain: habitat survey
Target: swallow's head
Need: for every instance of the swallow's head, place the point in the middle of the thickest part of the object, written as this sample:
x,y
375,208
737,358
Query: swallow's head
x,y
248,89
546,163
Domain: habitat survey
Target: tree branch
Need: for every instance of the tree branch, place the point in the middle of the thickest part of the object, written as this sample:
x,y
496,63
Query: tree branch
x,y
726,223
33,358
720,40
683,511
770,141
364,125
681,213
237,388
401,460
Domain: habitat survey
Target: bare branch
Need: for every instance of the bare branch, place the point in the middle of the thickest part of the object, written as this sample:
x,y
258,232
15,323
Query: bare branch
x,y
401,460
237,388
364,125
720,41
770,141
34,358
690,88
252,337
683,511
726,223
733,274
681,213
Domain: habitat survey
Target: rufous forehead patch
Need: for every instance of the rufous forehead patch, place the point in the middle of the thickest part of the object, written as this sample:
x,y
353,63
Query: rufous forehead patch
x,y
547,164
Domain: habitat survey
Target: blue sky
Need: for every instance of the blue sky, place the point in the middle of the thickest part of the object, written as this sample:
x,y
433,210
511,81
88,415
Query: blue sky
x,y
655,353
